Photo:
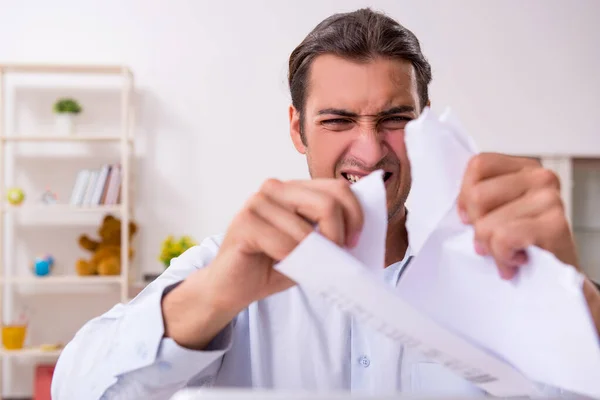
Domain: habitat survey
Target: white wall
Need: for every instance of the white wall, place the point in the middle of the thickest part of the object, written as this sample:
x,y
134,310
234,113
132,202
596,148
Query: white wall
x,y
523,77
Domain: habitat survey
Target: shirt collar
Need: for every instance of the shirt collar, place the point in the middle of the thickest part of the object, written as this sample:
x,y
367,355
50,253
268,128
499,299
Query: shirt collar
x,y
392,273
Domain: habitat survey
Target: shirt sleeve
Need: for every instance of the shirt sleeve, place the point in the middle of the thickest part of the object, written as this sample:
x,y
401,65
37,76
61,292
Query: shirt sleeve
x,y
123,354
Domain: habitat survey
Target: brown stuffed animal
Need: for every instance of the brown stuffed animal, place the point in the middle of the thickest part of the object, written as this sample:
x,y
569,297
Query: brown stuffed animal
x,y
106,252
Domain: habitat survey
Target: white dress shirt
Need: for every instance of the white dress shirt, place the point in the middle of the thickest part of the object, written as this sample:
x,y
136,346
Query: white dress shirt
x,y
290,340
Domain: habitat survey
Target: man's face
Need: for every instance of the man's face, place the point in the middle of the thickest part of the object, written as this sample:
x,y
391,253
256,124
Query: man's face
x,y
354,120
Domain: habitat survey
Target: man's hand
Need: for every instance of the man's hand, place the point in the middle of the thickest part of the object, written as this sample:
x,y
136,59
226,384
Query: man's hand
x,y
272,223
512,203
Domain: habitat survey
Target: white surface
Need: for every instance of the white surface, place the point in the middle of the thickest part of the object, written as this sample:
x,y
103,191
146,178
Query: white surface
x,y
370,248
30,353
60,208
63,280
60,138
238,394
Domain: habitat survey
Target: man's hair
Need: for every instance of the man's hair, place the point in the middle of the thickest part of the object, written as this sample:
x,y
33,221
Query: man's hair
x,y
360,35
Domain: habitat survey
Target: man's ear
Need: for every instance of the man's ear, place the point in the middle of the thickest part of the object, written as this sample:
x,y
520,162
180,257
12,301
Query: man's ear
x,y
295,126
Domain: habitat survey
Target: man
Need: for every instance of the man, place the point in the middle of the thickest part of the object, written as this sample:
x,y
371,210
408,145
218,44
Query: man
x,y
221,315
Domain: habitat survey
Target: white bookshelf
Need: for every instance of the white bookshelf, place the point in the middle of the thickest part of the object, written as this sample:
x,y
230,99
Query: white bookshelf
x,y
61,209
79,281
56,138
63,213
36,352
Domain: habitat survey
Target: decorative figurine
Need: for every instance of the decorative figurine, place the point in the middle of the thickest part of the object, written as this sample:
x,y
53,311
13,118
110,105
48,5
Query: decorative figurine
x,y
49,197
15,196
42,265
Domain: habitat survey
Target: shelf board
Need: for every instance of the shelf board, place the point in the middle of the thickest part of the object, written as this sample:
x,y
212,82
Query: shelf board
x,y
64,69
63,139
62,280
30,352
61,208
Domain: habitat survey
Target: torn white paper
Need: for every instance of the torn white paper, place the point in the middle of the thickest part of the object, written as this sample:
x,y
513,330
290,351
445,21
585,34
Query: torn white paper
x,y
370,249
539,322
338,274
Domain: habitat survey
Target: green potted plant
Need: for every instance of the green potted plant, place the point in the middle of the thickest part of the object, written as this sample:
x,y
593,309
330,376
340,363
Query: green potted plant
x,y
173,247
66,109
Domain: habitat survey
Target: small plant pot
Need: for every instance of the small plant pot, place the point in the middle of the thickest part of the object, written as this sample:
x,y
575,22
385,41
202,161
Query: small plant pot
x,y
65,124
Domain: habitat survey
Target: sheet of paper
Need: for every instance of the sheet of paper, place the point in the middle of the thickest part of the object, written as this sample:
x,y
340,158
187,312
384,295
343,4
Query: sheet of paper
x,y
450,303
338,274
323,268
538,322
370,249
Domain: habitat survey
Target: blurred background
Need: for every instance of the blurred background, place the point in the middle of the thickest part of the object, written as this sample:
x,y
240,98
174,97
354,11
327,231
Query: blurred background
x,y
176,111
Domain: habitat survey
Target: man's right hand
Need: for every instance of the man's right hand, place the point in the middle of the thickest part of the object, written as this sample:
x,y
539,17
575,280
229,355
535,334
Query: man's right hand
x,y
272,223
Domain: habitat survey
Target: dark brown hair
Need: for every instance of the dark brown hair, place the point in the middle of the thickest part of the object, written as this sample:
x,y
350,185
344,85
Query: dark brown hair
x,y
361,36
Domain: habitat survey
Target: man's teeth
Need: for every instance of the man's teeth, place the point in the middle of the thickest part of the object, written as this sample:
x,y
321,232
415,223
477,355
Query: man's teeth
x,y
353,178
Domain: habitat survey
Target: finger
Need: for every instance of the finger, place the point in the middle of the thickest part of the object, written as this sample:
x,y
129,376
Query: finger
x,y
353,213
487,165
280,217
509,242
491,193
531,205
266,238
317,206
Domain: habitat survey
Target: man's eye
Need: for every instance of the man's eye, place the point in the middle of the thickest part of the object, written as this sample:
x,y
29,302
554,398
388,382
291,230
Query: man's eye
x,y
398,122
336,121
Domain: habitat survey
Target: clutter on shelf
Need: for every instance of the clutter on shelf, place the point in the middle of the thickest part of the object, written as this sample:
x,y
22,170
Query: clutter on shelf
x,y
95,187
51,346
173,247
106,251
49,197
57,206
13,336
66,109
15,196
43,265
15,332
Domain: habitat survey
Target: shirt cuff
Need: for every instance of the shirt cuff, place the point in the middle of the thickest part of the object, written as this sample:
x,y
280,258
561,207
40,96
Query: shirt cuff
x,y
143,344
179,362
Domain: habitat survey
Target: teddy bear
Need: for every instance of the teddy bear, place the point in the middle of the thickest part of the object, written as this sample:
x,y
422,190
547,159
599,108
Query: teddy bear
x,y
106,252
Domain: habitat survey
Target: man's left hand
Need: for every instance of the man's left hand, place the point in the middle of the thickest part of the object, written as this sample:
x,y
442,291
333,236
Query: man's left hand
x,y
512,203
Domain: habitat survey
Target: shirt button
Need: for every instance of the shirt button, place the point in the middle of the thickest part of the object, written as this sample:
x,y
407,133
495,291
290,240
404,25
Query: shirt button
x,y
364,361
164,366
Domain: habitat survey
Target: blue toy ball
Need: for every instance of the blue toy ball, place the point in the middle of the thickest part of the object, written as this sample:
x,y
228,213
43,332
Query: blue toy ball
x,y
42,266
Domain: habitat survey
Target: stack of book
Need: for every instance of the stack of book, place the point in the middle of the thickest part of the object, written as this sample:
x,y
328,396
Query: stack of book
x,y
95,187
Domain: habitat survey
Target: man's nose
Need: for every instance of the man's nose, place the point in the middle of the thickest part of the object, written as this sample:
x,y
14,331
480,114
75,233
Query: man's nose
x,y
369,147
